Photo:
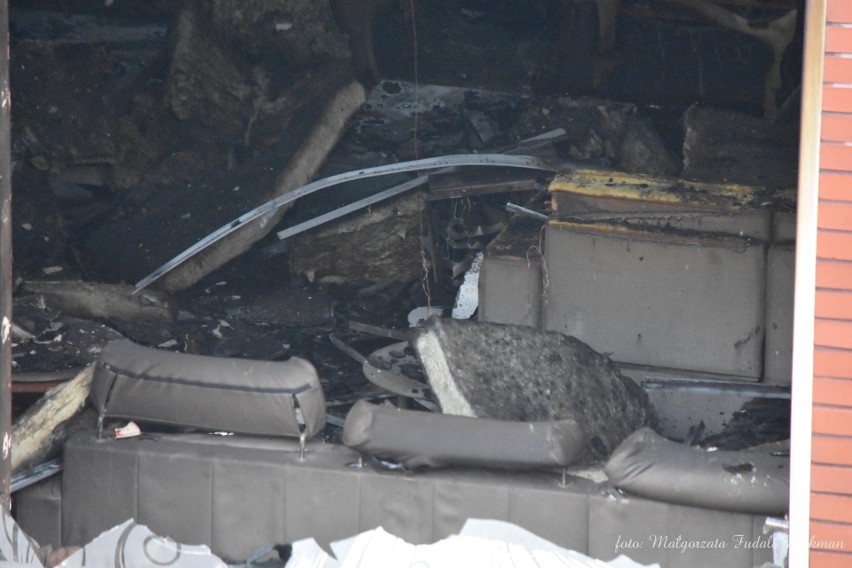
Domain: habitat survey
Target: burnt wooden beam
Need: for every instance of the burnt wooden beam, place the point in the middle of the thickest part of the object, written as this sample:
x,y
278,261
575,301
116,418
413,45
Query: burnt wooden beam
x,y
40,432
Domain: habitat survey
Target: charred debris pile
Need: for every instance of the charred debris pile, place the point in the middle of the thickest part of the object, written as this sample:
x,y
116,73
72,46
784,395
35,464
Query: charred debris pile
x,y
141,130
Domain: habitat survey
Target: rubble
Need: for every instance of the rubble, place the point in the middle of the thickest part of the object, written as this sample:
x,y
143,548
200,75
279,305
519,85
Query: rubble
x,y
177,127
331,107
731,147
148,317
51,343
381,245
379,370
519,373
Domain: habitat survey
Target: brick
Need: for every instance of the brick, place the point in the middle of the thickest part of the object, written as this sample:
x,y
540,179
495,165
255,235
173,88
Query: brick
x,y
831,450
832,421
831,537
834,156
839,11
834,304
838,39
837,69
832,363
834,246
835,186
836,127
820,559
832,391
827,391
836,508
833,333
837,216
834,275
831,479
836,99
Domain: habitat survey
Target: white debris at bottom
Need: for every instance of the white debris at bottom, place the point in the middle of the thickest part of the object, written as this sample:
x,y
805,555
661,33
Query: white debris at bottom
x,y
467,299
481,543
16,548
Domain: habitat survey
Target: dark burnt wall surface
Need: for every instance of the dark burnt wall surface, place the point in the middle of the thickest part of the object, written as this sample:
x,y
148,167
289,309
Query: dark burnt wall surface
x,y
131,106
660,55
673,61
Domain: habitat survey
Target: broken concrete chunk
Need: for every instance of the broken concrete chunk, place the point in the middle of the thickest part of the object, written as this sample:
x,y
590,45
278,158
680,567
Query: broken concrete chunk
x,y
511,281
518,373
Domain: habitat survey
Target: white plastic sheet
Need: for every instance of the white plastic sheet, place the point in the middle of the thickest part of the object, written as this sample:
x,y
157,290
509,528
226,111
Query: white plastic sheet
x,y
16,548
480,544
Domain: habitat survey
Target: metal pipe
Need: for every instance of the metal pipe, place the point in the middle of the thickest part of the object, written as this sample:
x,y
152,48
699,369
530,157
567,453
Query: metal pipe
x,y
5,263
265,211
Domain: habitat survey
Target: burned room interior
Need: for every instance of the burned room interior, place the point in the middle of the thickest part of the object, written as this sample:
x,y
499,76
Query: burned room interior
x,y
299,269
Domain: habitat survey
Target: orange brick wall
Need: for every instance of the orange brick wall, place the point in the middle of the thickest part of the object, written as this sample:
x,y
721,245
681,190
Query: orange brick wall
x,y
831,455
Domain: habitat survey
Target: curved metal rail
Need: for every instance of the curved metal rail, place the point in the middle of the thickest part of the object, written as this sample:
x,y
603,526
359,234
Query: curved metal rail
x,y
268,208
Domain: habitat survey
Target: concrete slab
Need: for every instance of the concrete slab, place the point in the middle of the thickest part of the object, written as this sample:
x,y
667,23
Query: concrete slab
x,y
780,275
510,281
677,299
